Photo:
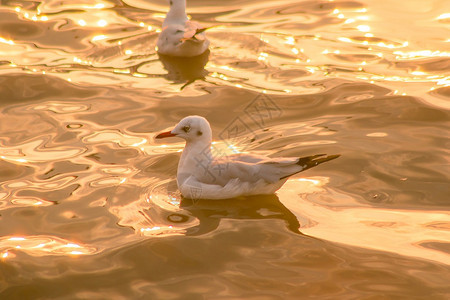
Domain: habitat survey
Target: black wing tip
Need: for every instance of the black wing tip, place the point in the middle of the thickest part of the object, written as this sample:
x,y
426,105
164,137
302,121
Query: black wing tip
x,y
333,156
314,160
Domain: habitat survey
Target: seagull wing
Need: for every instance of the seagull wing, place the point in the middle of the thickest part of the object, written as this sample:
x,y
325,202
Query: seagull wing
x,y
193,31
236,175
194,189
250,168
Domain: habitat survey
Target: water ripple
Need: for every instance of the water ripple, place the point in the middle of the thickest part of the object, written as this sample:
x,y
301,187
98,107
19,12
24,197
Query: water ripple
x,y
40,245
87,194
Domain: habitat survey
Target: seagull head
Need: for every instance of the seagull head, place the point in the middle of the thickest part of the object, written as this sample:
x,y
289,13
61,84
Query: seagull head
x,y
177,9
192,129
177,2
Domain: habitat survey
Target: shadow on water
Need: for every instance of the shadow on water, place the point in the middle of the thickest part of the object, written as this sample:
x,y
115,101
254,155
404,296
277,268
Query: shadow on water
x,y
185,69
261,207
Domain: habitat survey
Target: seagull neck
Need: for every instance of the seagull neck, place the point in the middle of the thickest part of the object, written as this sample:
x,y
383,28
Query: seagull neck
x,y
198,149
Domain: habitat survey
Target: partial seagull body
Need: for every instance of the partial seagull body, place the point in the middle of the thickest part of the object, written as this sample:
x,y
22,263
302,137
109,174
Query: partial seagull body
x,y
200,175
179,35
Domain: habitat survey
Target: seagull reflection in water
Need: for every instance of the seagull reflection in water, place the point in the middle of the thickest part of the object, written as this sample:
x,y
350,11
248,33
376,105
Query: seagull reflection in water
x,y
185,69
210,212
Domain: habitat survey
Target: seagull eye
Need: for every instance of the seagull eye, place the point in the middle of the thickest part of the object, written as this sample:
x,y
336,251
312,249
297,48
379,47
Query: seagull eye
x,y
186,129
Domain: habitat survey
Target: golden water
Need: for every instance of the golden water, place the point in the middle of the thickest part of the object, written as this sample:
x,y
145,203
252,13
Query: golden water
x,y
89,207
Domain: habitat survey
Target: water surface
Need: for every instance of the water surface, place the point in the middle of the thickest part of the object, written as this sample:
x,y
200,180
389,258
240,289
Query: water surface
x,y
89,206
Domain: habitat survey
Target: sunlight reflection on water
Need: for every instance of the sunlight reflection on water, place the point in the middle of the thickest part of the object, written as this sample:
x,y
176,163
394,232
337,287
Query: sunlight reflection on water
x,y
88,197
398,231
42,245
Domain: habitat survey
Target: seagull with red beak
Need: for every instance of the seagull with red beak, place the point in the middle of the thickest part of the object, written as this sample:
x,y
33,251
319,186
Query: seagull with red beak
x,y
200,175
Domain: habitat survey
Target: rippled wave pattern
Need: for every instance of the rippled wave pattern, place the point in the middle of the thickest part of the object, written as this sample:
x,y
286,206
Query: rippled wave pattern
x,y
89,206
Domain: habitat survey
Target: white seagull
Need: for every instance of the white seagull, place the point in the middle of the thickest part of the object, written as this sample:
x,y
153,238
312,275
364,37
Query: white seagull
x,y
200,175
179,35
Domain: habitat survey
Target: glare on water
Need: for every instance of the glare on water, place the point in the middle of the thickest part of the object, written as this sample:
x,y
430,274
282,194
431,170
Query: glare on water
x,y
89,205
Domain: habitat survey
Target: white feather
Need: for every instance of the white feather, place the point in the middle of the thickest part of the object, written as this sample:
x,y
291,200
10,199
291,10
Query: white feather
x,y
200,175
180,36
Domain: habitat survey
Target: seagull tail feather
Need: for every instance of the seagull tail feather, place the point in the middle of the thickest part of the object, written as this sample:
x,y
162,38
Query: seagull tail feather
x,y
308,162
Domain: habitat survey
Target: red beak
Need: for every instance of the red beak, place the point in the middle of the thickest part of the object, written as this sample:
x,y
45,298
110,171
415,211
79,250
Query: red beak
x,y
165,135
